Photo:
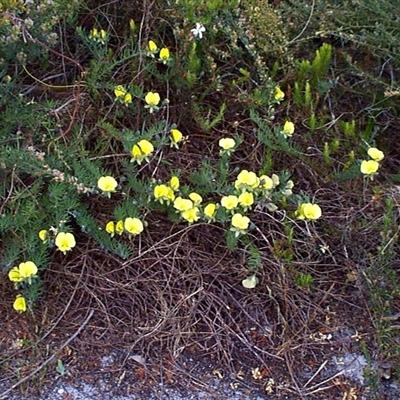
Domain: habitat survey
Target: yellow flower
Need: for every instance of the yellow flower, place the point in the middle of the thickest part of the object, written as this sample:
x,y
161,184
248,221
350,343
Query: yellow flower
x,y
14,275
266,182
308,211
164,55
98,36
191,215
375,154
196,198
288,129
250,282
141,151
110,228
227,145
43,235
240,224
279,95
174,183
26,270
369,167
107,184
152,48
122,95
65,241
152,100
209,211
119,91
119,227
133,226
229,202
20,304
246,199
183,204
176,137
246,180
164,193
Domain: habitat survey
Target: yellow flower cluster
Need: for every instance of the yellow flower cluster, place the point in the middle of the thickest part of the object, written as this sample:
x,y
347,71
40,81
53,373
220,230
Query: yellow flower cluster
x,y
308,211
370,167
190,209
165,193
152,50
122,95
98,36
141,151
64,241
132,226
23,274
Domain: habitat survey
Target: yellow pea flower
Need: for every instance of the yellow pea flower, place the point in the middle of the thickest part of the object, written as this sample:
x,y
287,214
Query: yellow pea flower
x,y
288,129
196,198
240,223
246,200
43,235
20,304
375,154
191,215
152,99
122,95
308,211
176,137
134,226
266,182
163,193
227,145
14,275
279,95
25,271
119,227
183,204
110,228
247,180
65,241
141,151
28,269
107,184
164,55
174,183
369,167
229,202
209,211
152,48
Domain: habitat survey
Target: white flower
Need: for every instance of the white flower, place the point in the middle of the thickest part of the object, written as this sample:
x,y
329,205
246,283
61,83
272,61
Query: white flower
x,y
198,31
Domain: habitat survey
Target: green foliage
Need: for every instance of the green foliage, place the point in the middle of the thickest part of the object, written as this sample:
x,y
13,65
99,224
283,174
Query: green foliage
x,y
303,280
23,25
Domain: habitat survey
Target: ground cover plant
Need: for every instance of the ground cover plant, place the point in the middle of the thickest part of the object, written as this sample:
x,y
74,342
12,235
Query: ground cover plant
x,y
199,178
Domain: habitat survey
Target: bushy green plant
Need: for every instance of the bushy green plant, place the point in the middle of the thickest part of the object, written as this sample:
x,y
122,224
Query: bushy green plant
x,y
25,26
60,187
